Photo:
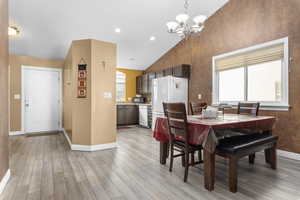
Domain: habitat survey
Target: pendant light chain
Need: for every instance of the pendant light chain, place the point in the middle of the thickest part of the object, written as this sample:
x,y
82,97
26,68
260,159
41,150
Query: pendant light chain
x,y
186,6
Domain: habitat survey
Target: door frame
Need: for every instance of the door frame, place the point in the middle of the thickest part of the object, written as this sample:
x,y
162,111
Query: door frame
x,y
25,67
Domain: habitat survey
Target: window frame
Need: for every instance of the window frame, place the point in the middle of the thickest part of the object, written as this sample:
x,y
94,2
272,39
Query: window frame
x,y
284,104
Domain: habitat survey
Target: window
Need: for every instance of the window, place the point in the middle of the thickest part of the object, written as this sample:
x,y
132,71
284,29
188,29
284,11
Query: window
x,y
255,74
121,86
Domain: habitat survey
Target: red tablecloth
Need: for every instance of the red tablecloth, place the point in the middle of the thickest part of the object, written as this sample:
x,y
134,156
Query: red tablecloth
x,y
205,131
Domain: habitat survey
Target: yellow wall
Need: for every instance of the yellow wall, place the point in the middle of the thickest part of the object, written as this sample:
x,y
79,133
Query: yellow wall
x,y
130,81
15,63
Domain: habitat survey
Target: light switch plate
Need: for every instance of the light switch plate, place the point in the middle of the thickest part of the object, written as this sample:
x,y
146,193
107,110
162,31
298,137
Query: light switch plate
x,y
17,96
107,95
199,96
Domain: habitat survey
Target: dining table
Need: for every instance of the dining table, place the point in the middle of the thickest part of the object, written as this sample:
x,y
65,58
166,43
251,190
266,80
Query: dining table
x,y
208,132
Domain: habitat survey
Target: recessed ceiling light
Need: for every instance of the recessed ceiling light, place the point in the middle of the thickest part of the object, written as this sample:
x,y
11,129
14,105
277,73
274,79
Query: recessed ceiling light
x,y
117,30
152,38
13,31
132,59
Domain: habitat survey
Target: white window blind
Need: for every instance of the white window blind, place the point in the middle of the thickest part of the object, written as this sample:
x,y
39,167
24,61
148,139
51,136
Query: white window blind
x,y
267,54
257,73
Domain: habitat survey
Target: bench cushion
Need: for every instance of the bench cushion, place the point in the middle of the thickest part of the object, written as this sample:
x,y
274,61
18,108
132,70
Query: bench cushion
x,y
236,144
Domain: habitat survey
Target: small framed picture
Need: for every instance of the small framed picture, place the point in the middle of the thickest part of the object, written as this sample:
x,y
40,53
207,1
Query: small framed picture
x,y
82,74
81,83
82,93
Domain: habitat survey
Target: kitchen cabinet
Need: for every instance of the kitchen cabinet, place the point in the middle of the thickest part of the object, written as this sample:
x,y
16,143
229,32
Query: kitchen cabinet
x,y
145,84
159,74
139,85
182,71
168,71
127,114
151,76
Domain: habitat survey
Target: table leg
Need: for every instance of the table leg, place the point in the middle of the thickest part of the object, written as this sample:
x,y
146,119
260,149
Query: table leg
x,y
163,153
209,170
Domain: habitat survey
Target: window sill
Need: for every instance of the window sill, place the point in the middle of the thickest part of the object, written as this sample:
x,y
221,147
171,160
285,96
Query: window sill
x,y
274,107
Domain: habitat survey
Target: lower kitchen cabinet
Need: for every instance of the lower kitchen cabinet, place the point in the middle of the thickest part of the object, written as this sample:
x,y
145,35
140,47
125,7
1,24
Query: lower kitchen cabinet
x,y
127,115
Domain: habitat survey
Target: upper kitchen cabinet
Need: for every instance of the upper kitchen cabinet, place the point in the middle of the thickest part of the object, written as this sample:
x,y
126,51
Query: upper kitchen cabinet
x,y
159,74
182,71
168,71
145,80
151,76
139,84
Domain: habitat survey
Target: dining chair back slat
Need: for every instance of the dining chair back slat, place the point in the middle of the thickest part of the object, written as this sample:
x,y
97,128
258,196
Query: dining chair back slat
x,y
248,108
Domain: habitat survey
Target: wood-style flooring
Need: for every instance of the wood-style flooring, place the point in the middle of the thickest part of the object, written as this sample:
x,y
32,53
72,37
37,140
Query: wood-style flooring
x,y
44,167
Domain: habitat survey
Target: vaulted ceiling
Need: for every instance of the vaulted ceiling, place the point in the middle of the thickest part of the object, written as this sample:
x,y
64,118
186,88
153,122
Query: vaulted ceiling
x,y
48,26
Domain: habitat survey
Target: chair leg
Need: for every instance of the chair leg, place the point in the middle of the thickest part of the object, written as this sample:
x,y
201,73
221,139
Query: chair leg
x,y
193,158
273,157
183,160
251,158
186,171
232,174
200,156
171,157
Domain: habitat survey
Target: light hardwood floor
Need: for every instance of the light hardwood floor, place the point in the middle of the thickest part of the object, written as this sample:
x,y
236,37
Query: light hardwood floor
x,y
43,167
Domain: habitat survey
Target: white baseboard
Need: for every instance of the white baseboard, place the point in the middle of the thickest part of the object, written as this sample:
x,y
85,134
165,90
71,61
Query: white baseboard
x,y
98,147
286,154
4,180
14,133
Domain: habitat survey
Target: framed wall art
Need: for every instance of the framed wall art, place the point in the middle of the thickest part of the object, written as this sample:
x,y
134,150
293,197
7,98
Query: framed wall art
x,y
82,80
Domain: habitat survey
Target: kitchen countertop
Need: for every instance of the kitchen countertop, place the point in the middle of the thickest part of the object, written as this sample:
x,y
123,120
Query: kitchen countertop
x,y
137,104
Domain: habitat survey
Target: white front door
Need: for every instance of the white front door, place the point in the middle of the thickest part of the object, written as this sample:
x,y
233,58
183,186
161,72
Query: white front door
x,y
41,99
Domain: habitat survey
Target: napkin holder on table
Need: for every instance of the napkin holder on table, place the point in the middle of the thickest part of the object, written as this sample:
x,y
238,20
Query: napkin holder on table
x,y
210,113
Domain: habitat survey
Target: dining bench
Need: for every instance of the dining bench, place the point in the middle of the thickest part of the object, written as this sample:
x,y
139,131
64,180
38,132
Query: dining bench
x,y
237,147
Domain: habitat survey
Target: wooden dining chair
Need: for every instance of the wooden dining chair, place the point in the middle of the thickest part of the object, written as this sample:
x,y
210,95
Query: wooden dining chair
x,y
179,135
196,108
248,108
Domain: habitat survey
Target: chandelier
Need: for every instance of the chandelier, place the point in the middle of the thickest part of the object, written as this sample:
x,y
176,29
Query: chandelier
x,y
182,27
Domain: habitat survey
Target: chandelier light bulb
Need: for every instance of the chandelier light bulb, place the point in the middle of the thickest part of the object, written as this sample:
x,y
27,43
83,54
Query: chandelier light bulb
x,y
182,18
172,26
183,27
200,19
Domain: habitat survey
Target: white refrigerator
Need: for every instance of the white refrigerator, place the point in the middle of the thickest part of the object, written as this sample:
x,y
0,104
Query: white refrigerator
x,y
167,89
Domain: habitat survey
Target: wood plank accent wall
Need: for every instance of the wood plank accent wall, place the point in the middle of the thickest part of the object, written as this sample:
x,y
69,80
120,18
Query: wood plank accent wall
x,y
3,88
240,24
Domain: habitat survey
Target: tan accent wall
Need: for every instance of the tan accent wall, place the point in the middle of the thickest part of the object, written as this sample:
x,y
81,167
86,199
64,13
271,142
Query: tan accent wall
x,y
130,81
240,24
81,108
4,116
16,63
104,59
91,120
